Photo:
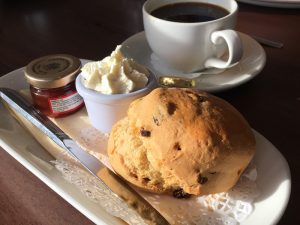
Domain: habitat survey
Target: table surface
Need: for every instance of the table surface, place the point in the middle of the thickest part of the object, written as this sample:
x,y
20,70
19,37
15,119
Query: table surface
x,y
91,29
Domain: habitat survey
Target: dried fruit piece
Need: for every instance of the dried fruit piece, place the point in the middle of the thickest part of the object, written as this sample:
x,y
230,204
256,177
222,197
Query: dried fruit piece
x,y
201,179
145,133
179,193
133,175
177,146
146,179
171,106
200,99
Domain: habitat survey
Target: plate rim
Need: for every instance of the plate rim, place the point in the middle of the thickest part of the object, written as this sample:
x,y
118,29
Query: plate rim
x,y
288,182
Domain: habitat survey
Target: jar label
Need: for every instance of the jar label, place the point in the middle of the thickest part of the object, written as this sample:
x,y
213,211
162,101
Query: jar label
x,y
65,103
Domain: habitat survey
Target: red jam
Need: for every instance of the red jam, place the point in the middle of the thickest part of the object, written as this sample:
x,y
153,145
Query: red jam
x,y
57,102
52,84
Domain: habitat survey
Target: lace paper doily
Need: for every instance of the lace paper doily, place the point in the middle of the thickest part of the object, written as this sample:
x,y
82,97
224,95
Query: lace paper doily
x,y
228,208
95,191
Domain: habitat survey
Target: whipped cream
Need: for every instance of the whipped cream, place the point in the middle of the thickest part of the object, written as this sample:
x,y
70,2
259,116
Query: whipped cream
x,y
115,74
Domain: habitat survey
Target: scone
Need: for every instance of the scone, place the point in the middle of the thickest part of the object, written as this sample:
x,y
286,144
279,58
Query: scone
x,y
181,141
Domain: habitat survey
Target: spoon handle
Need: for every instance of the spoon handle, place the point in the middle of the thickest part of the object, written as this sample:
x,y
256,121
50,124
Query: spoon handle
x,y
180,82
267,42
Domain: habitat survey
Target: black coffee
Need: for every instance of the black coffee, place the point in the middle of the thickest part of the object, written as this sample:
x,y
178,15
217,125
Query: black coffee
x,y
190,12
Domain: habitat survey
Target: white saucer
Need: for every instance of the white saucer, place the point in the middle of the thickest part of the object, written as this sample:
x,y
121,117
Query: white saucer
x,y
252,62
274,3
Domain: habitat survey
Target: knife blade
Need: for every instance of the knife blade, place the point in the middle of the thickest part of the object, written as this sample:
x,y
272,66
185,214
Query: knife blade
x,y
110,182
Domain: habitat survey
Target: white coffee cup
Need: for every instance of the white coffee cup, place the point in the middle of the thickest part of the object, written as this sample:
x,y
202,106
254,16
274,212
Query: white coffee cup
x,y
194,46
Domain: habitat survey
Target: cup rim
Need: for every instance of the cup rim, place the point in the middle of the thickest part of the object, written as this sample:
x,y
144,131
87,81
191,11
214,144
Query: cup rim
x,y
113,98
231,13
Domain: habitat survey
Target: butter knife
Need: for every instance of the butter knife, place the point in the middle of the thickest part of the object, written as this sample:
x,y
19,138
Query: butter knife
x,y
109,181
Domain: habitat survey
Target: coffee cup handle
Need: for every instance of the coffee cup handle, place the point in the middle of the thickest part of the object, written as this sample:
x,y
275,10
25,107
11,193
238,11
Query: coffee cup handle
x,y
235,49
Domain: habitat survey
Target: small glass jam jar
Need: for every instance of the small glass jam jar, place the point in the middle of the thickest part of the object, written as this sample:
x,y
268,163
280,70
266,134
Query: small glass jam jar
x,y
52,84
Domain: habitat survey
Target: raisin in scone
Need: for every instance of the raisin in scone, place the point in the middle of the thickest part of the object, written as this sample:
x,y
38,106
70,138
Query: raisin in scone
x,y
181,141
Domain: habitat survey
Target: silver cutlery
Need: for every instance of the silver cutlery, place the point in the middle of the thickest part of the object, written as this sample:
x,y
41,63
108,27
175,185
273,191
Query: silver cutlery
x,y
267,42
187,80
110,183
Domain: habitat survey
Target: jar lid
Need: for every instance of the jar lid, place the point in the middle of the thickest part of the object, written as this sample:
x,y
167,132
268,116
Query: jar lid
x,y
52,71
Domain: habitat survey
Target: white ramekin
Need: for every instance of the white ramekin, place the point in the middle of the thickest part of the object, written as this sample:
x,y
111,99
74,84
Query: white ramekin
x,y
105,110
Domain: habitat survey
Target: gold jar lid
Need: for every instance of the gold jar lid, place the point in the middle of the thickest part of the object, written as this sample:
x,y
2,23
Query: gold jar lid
x,y
52,71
